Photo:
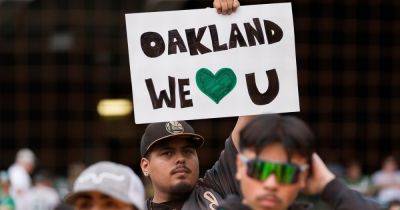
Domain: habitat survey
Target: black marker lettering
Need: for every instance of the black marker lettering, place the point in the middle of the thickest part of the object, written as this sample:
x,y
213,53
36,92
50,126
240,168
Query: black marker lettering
x,y
269,95
235,37
254,33
182,93
194,41
274,32
215,41
157,102
173,45
152,44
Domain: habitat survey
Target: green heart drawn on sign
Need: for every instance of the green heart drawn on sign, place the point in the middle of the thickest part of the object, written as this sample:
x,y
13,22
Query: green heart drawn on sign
x,y
216,86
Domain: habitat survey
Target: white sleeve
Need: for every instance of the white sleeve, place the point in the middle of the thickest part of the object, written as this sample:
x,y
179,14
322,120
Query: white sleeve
x,y
19,179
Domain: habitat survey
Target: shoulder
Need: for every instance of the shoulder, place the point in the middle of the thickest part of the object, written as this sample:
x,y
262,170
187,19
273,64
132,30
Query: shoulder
x,y
14,168
301,206
233,202
202,197
230,146
17,171
377,175
204,189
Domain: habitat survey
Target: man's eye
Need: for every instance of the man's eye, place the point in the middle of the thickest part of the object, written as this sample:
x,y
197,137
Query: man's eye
x,y
111,205
189,151
82,205
167,153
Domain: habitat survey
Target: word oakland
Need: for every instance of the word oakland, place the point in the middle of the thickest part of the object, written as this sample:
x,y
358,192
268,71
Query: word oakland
x,y
153,44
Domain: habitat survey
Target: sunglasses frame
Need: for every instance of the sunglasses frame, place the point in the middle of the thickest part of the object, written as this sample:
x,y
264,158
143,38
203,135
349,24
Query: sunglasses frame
x,y
300,168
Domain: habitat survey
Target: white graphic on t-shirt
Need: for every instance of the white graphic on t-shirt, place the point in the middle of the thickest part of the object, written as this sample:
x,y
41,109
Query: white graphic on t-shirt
x,y
213,200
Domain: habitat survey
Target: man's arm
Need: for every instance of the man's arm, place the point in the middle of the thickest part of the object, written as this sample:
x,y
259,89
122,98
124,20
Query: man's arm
x,y
240,124
333,191
221,177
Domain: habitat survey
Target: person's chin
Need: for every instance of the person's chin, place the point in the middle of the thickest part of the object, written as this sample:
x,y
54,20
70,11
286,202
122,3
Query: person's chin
x,y
182,186
267,204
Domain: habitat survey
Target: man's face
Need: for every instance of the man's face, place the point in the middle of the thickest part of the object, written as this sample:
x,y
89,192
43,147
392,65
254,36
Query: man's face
x,y
173,166
28,166
270,194
354,172
98,201
390,166
395,207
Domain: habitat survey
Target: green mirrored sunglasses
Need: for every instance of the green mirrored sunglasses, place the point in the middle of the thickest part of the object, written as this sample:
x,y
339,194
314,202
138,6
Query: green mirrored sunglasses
x,y
285,173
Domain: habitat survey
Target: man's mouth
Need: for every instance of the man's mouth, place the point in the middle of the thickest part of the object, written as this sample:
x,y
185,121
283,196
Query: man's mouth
x,y
181,170
268,200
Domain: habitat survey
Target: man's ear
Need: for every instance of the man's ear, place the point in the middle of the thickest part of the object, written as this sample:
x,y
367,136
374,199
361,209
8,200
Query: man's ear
x,y
144,164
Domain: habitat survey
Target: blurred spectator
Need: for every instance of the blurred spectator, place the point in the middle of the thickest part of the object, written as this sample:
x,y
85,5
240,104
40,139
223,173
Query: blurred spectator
x,y
336,169
74,169
6,202
107,185
64,206
394,205
43,196
20,179
62,186
355,179
387,181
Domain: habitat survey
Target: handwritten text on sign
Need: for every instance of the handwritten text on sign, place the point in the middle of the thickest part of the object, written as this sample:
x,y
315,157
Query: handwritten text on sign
x,y
196,64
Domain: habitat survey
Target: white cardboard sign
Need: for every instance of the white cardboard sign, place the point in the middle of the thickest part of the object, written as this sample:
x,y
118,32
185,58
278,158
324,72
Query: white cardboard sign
x,y
196,64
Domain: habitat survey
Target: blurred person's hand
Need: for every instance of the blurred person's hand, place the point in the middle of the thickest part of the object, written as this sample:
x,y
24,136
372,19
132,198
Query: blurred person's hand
x,y
320,176
226,6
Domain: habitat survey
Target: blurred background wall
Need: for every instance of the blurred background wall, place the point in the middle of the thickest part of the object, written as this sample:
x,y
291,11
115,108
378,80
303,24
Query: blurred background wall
x,y
59,58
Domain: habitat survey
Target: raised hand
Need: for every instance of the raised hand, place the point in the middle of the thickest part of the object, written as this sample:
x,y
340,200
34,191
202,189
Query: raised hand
x,y
320,176
226,7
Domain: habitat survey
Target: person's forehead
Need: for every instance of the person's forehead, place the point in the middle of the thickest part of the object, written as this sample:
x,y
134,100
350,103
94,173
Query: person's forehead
x,y
176,142
276,153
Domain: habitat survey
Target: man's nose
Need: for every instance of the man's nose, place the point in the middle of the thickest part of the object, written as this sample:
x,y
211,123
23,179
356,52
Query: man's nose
x,y
271,182
180,158
96,207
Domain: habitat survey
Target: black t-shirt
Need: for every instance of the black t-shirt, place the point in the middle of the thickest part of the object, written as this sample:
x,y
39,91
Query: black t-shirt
x,y
217,183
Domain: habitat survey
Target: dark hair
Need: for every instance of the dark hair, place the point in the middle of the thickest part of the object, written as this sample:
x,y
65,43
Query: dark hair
x,y
294,135
394,203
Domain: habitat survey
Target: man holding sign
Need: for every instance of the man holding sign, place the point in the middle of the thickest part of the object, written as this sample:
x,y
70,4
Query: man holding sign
x,y
170,161
169,50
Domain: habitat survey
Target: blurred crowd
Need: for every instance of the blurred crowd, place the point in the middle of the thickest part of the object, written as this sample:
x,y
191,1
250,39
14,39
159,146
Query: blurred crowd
x,y
18,191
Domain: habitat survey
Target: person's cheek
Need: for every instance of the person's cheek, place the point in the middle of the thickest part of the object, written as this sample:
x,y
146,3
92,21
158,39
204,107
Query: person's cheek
x,y
251,191
289,193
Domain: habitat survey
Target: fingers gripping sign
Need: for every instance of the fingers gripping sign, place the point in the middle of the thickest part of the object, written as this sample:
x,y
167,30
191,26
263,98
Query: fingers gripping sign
x,y
226,7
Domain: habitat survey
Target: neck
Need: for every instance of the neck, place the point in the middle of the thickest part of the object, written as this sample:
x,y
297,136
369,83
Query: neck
x,y
161,197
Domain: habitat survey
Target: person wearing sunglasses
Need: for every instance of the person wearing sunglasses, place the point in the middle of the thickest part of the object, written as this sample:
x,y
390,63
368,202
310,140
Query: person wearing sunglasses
x,y
276,161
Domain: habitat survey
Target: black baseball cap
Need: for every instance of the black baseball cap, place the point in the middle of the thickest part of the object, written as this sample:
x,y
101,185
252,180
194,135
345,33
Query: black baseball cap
x,y
157,132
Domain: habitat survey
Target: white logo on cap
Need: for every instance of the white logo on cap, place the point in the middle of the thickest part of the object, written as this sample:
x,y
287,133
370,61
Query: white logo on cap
x,y
174,127
98,178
